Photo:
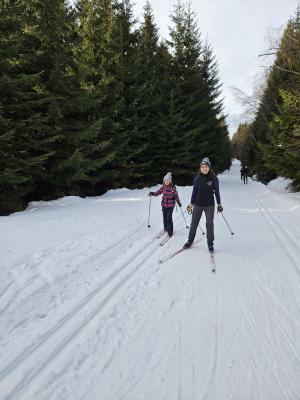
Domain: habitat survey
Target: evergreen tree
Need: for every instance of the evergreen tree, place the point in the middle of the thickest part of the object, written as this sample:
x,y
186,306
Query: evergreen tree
x,y
97,62
24,127
151,101
53,29
282,86
129,157
284,154
198,128
244,146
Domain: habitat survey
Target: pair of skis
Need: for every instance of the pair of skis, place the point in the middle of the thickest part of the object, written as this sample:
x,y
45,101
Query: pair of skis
x,y
171,255
165,239
175,253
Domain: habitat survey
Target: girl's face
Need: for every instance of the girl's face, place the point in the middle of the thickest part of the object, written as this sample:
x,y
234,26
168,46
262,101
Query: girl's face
x,y
167,183
204,169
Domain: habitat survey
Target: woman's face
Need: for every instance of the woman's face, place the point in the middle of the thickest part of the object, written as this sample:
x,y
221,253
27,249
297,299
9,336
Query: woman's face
x,y
204,169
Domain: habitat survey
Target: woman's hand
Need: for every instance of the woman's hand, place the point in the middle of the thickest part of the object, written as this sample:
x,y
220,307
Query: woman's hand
x,y
189,208
220,208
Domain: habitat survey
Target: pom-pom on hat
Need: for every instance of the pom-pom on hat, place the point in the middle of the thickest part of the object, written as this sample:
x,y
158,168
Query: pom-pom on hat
x,y
206,161
168,177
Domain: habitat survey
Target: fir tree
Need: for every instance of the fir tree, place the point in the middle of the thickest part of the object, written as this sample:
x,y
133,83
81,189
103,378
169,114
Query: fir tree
x,y
151,101
196,111
282,85
54,32
24,127
102,102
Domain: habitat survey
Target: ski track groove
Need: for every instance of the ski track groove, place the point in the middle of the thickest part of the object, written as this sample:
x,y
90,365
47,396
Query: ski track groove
x,y
179,344
54,288
276,220
251,325
266,335
213,373
280,325
255,364
254,332
271,224
263,297
5,289
28,353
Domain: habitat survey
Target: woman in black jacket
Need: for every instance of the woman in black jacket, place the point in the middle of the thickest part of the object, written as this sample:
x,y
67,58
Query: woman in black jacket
x,y
205,187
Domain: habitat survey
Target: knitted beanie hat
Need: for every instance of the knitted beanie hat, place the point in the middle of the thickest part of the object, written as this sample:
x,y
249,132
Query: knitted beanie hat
x,y
206,161
168,177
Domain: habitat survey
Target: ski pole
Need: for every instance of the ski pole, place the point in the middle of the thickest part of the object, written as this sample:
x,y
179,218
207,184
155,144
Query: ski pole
x,y
203,233
186,225
149,213
199,226
227,224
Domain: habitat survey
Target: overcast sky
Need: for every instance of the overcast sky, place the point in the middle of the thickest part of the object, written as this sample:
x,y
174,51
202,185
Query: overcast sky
x,y
238,31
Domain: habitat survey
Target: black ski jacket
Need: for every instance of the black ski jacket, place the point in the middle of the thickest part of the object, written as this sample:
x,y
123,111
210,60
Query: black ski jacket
x,y
204,189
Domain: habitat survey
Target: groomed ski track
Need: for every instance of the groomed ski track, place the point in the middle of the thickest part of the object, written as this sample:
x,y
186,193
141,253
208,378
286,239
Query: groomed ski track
x,y
88,312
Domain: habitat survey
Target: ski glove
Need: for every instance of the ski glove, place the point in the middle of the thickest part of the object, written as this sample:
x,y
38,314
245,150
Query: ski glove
x,y
151,194
220,208
180,205
189,208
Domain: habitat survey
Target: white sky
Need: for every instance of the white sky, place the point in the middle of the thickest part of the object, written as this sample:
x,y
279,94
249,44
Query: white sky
x,y
238,32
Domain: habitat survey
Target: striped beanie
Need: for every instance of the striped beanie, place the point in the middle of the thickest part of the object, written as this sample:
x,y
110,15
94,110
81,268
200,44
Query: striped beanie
x,y
205,161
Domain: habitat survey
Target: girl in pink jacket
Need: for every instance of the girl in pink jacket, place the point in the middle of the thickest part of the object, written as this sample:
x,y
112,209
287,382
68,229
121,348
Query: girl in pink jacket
x,y
170,196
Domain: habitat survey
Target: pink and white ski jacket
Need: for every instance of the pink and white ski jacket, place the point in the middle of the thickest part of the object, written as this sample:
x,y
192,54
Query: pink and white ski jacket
x,y
170,195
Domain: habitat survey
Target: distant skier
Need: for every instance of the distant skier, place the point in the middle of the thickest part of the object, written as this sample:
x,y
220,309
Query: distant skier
x,y
245,174
205,186
170,195
242,172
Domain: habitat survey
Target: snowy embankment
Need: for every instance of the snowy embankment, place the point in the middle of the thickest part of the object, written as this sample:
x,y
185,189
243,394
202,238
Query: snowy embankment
x,y
88,312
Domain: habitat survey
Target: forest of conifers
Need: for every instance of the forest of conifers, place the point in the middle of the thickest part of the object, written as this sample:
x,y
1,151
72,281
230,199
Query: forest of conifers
x,y
92,100
270,144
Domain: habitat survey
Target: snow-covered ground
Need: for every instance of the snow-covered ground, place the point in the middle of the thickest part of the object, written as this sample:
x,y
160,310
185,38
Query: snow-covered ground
x,y
88,312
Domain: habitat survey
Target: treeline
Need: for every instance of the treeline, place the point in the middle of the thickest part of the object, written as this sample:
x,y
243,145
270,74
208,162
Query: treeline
x,y
91,100
270,145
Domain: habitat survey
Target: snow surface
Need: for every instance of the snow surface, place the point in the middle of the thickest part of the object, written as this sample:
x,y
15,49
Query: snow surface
x,y
88,312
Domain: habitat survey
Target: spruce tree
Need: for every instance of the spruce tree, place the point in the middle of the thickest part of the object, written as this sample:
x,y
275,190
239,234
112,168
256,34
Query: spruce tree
x,y
282,86
102,102
26,143
151,101
129,160
198,129
54,31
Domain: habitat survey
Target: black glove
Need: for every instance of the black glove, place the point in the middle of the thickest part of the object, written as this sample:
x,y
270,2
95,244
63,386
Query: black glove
x,y
180,205
220,208
151,194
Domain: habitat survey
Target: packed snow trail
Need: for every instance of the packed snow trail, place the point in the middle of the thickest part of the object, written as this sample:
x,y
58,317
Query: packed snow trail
x,y
88,312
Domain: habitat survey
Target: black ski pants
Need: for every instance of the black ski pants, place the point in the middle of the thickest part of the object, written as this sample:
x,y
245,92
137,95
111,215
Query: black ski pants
x,y
168,221
197,213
